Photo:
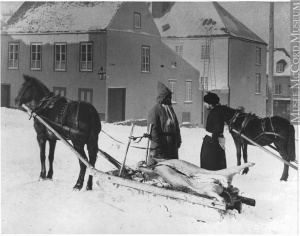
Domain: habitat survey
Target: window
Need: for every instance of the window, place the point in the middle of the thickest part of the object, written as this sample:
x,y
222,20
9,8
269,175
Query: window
x,y
258,56
178,49
280,65
173,64
137,20
13,56
278,89
204,83
36,56
188,91
172,88
186,117
86,56
257,83
85,95
60,91
60,56
145,59
205,52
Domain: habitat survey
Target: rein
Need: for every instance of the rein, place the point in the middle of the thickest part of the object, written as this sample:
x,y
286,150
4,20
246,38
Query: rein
x,y
135,138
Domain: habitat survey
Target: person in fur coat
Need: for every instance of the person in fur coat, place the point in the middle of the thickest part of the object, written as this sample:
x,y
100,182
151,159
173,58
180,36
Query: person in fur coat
x,y
166,138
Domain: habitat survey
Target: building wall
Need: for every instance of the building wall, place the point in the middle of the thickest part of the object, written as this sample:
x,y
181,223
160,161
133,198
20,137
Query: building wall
x,y
281,103
124,44
242,71
182,73
72,78
284,81
124,71
191,52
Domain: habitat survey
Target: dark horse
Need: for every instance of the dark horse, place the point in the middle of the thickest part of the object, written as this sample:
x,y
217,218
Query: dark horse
x,y
263,131
77,121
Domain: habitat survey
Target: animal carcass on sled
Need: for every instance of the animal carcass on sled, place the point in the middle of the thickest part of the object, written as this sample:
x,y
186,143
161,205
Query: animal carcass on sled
x,y
185,189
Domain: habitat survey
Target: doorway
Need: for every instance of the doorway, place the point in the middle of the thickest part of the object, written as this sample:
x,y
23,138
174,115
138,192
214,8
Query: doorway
x,y
5,95
116,104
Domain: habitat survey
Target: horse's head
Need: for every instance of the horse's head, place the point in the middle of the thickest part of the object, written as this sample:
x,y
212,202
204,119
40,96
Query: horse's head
x,y
228,113
26,93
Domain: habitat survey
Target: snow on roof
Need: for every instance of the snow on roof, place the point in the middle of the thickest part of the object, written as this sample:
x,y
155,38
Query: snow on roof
x,y
280,55
192,19
62,16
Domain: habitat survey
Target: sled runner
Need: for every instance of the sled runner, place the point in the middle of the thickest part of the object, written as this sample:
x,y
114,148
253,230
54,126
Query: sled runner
x,y
182,197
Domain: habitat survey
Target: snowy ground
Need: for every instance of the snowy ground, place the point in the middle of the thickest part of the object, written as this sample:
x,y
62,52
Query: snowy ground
x,y
30,206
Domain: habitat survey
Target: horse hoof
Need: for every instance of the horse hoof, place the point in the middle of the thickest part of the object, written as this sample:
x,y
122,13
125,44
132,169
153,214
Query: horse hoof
x,y
49,177
89,188
42,178
283,179
77,187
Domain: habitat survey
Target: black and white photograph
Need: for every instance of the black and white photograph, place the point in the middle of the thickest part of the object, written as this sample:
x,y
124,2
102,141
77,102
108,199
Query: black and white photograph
x,y
151,117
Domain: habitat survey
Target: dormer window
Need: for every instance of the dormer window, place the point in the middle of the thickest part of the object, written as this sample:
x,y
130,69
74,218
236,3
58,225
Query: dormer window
x,y
280,65
137,20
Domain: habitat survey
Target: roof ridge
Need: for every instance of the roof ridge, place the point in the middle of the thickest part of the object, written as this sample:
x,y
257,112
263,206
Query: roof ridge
x,y
221,10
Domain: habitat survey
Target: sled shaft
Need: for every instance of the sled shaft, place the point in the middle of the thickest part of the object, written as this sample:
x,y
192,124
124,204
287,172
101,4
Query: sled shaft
x,y
266,150
58,136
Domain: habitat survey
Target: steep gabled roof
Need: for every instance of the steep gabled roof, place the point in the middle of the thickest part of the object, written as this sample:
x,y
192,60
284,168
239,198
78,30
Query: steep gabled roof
x,y
192,19
62,16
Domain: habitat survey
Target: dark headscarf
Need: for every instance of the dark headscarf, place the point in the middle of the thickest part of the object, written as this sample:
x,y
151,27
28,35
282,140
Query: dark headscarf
x,y
211,98
162,92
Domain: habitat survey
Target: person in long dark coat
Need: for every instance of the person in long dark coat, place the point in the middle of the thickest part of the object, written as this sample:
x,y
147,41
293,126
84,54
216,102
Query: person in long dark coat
x,y
212,156
165,132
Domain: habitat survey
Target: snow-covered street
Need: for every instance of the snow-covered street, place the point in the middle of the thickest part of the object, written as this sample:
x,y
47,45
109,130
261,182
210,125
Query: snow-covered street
x,y
31,206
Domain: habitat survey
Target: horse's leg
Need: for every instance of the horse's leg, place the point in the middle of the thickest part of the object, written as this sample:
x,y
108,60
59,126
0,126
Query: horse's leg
x,y
245,157
52,144
80,149
285,173
283,153
42,143
92,148
238,146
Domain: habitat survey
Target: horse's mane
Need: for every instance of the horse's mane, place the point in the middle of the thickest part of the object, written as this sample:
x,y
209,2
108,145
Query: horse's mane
x,y
227,107
36,82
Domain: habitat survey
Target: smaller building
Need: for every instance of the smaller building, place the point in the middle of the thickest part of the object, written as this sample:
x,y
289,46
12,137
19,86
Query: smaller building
x,y
281,83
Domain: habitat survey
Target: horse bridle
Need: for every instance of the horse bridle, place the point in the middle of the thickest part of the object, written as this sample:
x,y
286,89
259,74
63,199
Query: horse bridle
x,y
232,119
28,84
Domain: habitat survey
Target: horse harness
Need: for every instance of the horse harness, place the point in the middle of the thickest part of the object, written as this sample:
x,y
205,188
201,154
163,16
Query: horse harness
x,y
247,119
51,101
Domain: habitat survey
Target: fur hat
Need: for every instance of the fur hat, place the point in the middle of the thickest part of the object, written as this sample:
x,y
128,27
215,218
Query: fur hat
x,y
211,98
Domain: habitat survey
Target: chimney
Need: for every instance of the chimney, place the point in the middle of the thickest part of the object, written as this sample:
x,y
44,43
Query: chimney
x,y
159,8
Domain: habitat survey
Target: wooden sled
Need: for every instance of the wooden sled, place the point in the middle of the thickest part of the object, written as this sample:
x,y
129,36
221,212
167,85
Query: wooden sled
x,y
201,208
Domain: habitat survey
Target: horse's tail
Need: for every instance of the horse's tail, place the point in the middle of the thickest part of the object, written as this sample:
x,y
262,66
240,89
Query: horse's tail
x,y
291,144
